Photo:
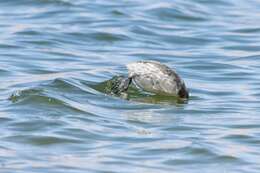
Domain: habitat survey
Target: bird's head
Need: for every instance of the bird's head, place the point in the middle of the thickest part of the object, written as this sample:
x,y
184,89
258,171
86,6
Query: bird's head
x,y
183,91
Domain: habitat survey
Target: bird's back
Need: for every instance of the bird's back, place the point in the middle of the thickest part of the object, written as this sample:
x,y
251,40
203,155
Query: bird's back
x,y
154,77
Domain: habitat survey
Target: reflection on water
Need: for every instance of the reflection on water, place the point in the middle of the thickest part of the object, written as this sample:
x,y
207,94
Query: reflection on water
x,y
55,117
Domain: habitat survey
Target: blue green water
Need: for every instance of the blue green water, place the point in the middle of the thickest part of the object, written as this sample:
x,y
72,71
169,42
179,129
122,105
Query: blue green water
x,y
52,51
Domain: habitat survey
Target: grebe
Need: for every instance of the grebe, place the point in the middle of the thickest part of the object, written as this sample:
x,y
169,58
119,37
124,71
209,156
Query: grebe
x,y
151,76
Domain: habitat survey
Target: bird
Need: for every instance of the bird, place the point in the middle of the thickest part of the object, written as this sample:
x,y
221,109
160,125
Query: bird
x,y
151,76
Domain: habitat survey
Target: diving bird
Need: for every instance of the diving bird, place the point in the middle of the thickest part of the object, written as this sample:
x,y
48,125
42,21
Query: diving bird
x,y
151,76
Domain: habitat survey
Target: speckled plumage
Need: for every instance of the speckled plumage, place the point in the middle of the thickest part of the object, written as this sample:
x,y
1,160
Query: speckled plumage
x,y
152,76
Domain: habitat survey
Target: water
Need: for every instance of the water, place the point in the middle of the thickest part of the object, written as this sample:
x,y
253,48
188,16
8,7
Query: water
x,y
52,51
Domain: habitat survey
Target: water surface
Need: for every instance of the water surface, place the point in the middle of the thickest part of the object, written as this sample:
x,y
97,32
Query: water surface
x,y
52,51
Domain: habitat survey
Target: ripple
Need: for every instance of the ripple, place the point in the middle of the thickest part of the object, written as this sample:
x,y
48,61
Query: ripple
x,y
20,95
253,48
34,126
171,14
108,37
39,140
247,30
118,13
47,95
40,2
